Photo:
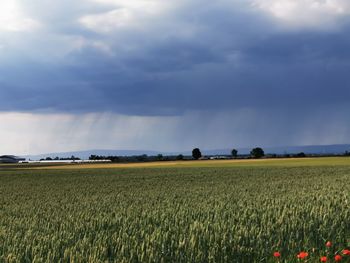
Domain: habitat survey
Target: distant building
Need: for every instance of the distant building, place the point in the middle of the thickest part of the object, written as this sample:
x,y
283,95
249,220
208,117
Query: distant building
x,y
219,157
11,159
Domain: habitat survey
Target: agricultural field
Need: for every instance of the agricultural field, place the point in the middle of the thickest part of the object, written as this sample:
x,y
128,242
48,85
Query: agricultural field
x,y
211,211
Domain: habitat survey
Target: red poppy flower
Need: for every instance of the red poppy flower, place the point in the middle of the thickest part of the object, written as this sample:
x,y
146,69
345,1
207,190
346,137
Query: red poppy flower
x,y
346,252
323,259
338,258
328,244
277,254
302,255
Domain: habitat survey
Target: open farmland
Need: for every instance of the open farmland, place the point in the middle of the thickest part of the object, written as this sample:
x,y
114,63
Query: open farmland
x,y
214,211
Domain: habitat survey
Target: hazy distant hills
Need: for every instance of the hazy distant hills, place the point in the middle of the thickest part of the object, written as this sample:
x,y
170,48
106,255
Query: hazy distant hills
x,y
310,149
87,153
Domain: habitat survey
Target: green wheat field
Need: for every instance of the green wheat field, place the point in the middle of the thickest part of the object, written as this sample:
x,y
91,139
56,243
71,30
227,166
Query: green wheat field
x,y
222,211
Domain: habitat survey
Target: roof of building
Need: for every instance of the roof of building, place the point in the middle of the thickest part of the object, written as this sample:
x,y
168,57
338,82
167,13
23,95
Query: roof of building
x,y
11,157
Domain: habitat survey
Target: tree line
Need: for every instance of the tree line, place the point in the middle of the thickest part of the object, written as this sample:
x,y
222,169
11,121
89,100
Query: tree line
x,y
254,153
196,155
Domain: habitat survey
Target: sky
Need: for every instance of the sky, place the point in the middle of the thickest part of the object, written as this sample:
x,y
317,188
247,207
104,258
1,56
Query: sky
x,y
173,75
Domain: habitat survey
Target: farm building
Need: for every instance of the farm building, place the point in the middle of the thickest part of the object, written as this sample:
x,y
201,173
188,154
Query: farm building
x,y
11,159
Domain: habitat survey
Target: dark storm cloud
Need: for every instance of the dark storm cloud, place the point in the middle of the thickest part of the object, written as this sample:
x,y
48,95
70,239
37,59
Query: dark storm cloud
x,y
231,58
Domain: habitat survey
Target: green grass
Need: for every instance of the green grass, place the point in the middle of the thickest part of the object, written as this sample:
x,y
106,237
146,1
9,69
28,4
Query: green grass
x,y
210,213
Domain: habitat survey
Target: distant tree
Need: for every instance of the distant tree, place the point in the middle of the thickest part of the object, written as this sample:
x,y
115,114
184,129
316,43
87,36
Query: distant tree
x,y
347,153
196,153
142,158
160,157
257,153
112,158
56,158
180,157
301,155
73,158
48,159
234,153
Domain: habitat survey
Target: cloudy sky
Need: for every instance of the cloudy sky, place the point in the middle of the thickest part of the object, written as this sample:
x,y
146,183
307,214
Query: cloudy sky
x,y
171,75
